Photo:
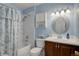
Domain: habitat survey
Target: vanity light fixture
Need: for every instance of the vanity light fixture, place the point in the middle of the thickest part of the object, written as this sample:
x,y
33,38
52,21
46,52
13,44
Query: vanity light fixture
x,y
68,11
57,13
78,10
53,14
62,12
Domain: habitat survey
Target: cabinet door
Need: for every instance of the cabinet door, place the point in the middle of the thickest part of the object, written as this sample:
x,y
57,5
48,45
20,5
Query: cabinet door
x,y
55,49
58,50
51,49
48,48
65,50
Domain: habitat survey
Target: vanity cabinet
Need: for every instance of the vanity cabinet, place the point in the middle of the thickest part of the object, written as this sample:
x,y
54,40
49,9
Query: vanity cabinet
x,y
59,49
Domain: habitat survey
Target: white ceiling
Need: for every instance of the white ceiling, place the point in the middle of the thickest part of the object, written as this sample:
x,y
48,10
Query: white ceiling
x,y
23,5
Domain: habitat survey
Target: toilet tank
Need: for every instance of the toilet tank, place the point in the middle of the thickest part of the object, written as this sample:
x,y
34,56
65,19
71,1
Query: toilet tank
x,y
40,43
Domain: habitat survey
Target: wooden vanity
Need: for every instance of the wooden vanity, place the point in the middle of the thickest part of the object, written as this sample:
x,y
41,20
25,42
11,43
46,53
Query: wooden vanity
x,y
53,48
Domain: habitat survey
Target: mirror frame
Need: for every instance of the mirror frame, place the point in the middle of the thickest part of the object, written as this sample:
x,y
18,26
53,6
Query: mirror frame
x,y
65,20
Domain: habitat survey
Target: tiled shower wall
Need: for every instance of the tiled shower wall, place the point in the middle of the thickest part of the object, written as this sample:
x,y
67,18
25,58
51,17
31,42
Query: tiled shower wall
x,y
28,29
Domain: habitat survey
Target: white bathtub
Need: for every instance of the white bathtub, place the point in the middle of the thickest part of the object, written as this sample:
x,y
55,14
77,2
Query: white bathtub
x,y
25,51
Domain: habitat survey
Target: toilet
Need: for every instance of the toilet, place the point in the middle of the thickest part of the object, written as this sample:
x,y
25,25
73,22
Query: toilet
x,y
38,50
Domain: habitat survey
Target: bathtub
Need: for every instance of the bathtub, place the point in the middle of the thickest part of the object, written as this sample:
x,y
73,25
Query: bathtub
x,y
25,51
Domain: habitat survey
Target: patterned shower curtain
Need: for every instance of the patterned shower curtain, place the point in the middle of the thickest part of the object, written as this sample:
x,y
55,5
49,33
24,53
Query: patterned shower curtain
x,y
9,30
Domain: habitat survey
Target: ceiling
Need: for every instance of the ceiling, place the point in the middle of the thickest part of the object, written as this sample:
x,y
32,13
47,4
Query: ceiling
x,y
23,5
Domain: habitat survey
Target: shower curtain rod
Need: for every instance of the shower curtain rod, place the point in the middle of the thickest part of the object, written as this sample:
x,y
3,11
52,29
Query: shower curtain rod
x,y
7,5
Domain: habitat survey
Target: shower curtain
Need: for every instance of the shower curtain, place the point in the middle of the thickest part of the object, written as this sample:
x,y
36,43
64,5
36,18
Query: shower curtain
x,y
9,30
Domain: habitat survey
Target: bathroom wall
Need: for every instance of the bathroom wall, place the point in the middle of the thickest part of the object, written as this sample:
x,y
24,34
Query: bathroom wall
x,y
53,7
28,29
77,22
20,41
71,17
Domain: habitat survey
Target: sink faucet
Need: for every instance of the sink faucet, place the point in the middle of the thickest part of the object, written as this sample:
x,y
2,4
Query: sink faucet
x,y
67,36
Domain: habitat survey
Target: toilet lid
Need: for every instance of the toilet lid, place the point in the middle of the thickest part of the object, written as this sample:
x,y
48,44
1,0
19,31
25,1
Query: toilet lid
x,y
36,50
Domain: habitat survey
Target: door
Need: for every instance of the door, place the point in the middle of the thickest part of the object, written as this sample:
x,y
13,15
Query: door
x,y
48,48
55,49
65,50
51,48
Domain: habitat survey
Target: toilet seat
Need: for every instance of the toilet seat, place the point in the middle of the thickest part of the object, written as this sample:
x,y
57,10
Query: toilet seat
x,y
36,51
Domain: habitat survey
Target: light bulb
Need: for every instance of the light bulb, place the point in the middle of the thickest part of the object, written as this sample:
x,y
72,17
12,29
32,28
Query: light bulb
x,y
52,14
68,11
78,10
57,13
62,12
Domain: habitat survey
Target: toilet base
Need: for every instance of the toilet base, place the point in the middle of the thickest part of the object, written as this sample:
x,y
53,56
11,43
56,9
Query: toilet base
x,y
36,51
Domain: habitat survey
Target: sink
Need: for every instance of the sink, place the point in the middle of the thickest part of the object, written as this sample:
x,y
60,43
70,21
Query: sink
x,y
73,40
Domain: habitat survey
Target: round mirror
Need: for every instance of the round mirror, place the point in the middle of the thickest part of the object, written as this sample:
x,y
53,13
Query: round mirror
x,y
60,25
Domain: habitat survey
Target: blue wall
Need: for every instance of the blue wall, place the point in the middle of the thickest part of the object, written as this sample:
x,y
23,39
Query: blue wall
x,y
54,7
47,6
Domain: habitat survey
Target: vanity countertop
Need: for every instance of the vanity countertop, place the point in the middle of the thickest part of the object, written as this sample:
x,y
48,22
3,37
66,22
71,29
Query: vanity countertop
x,y
72,41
